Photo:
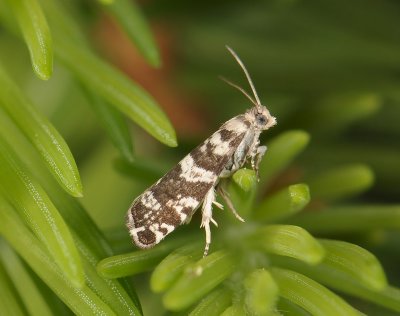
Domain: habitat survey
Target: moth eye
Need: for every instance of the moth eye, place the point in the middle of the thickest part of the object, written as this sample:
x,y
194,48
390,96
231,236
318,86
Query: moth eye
x,y
261,119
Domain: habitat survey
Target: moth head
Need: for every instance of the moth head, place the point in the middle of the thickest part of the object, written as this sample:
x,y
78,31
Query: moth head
x,y
259,115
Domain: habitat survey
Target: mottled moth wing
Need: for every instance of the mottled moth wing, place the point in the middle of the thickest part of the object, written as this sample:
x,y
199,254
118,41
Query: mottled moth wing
x,y
173,199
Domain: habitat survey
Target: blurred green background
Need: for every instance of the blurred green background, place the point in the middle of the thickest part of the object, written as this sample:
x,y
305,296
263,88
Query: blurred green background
x,y
329,68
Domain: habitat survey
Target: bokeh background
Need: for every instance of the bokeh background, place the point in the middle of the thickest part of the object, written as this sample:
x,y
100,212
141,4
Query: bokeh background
x,y
330,68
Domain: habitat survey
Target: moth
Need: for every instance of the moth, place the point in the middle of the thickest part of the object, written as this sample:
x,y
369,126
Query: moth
x,y
194,181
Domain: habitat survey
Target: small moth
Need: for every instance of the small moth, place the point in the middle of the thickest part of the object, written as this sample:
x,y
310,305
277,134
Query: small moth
x,y
194,181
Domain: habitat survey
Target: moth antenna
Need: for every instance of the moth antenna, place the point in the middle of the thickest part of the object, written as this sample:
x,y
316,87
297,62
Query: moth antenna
x,y
245,72
239,88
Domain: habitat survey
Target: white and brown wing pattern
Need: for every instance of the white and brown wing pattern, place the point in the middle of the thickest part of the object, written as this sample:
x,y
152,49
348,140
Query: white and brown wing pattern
x,y
172,200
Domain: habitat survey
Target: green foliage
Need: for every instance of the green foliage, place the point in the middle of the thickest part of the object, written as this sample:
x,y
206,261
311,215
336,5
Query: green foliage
x,y
41,134
135,25
289,241
39,213
213,304
36,34
199,278
310,227
310,295
30,295
261,292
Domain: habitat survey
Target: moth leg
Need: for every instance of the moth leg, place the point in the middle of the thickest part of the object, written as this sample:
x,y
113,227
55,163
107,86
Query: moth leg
x,y
225,196
256,159
252,153
206,214
219,205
